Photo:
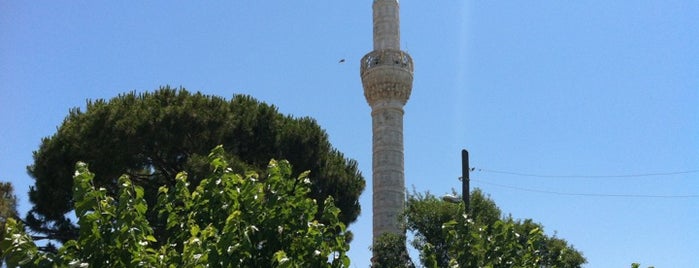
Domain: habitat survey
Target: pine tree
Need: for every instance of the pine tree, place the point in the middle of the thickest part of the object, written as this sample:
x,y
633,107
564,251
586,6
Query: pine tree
x,y
152,136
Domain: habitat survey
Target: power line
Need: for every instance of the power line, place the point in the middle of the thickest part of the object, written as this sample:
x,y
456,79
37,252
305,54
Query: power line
x,y
522,174
586,194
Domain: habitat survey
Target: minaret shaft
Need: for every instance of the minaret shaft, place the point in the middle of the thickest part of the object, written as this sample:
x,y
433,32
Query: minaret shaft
x,y
388,182
387,78
386,25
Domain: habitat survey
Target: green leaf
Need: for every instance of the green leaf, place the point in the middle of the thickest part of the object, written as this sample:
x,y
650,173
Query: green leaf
x,y
194,230
151,238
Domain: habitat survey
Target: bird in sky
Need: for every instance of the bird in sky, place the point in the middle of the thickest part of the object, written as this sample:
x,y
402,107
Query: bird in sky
x,y
341,61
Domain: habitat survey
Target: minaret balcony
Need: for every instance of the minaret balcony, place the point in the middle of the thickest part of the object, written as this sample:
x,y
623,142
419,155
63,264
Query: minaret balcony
x,y
387,75
386,58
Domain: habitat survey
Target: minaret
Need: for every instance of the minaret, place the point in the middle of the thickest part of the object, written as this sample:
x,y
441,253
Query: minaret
x,y
387,77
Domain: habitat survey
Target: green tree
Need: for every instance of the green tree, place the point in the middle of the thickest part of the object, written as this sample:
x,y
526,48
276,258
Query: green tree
x,y
152,136
8,203
390,251
446,236
8,207
228,220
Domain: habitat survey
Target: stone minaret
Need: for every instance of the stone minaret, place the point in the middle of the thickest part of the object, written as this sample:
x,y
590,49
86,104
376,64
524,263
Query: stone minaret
x,y
387,77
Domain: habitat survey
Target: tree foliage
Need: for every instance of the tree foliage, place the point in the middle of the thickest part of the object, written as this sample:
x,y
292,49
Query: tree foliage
x,y
8,207
448,237
390,251
228,220
8,202
152,136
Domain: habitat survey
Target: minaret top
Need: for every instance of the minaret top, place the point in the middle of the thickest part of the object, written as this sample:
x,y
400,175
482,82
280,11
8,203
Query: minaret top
x,y
386,24
387,72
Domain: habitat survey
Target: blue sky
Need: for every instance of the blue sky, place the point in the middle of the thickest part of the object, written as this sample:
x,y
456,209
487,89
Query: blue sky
x,y
560,88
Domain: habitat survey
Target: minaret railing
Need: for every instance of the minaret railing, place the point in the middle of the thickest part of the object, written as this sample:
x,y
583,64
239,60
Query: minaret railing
x,y
386,57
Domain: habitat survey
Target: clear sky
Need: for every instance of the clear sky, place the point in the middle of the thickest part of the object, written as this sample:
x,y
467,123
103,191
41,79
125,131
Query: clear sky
x,y
559,88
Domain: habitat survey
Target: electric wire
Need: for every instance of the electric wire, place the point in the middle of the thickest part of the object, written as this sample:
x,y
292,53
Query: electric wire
x,y
584,194
522,174
636,175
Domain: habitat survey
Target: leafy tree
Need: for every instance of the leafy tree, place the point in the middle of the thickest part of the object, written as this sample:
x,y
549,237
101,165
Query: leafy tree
x,y
446,236
424,216
228,220
152,136
390,252
8,203
8,207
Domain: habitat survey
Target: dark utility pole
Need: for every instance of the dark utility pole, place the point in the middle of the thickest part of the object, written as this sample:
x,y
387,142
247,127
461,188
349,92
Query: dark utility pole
x,y
465,192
